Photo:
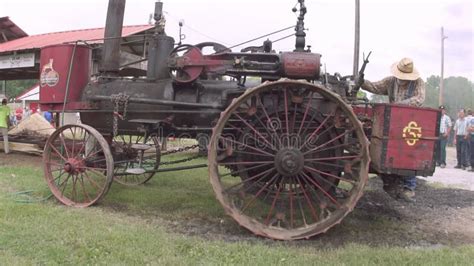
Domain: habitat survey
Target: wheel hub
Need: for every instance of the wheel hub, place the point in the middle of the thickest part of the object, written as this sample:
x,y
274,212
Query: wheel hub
x,y
74,166
289,161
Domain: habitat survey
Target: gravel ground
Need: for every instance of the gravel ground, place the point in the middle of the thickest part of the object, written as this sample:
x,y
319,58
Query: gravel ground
x,y
450,176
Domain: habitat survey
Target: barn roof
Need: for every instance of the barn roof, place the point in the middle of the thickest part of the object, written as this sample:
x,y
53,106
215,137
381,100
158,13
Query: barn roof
x,y
10,31
30,94
42,40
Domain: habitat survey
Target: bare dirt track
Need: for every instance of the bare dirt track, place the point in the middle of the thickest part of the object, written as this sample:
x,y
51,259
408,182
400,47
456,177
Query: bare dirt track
x,y
439,217
443,215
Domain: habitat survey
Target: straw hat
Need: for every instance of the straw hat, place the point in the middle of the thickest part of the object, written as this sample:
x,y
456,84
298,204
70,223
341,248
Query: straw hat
x,y
405,70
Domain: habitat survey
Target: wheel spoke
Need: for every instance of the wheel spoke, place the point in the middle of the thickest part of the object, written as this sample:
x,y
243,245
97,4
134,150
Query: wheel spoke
x,y
330,175
286,111
73,191
331,148
320,188
245,145
328,142
315,132
262,175
83,146
57,152
252,153
313,211
246,169
256,131
273,205
332,158
269,121
243,133
91,181
61,137
293,122
64,183
305,114
292,215
245,163
260,191
84,189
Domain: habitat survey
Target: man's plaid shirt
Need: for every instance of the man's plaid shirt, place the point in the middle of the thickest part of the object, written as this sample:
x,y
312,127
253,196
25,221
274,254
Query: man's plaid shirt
x,y
398,93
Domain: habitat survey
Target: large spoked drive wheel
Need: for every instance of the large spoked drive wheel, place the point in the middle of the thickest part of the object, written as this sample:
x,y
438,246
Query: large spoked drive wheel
x,y
78,165
288,159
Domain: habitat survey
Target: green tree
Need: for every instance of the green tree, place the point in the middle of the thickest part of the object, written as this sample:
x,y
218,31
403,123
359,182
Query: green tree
x,y
432,91
16,87
458,93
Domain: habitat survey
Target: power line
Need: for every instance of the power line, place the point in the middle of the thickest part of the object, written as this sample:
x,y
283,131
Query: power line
x,y
176,19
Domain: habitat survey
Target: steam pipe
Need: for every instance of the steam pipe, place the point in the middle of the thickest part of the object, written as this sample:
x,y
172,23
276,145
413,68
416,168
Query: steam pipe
x,y
112,36
159,102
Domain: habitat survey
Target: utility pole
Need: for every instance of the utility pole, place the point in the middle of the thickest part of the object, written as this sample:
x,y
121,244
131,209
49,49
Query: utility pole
x,y
355,65
441,82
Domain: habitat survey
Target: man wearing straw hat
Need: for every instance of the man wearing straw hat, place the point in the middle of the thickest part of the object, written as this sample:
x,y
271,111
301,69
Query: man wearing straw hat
x,y
404,87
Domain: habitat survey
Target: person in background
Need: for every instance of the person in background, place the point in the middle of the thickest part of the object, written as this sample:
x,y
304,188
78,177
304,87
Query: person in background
x,y
48,116
404,87
471,133
444,130
460,140
19,114
468,140
27,112
4,124
13,120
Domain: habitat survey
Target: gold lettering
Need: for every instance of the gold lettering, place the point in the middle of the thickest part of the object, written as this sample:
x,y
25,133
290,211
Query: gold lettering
x,y
412,133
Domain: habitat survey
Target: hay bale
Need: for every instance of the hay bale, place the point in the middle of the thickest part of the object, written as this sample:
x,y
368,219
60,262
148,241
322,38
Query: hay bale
x,y
35,124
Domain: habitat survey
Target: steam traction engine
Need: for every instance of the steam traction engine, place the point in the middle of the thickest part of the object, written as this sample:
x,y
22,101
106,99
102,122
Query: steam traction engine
x,y
288,153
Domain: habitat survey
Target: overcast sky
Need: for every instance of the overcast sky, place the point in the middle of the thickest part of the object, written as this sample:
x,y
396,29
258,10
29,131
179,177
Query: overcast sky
x,y
391,29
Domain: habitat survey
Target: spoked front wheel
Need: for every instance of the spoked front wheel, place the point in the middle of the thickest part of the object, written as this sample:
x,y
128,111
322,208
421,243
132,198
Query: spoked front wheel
x,y
78,165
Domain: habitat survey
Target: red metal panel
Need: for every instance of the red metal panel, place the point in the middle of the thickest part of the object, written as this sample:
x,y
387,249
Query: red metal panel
x,y
54,67
404,139
412,137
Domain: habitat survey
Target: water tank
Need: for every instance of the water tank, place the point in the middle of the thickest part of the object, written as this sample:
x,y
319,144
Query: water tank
x,y
54,68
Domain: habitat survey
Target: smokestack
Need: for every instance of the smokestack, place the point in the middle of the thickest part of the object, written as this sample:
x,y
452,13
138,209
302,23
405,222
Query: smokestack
x,y
112,36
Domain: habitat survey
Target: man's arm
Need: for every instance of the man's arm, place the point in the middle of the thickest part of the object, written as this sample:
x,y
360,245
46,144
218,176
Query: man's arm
x,y
419,93
448,128
455,131
379,87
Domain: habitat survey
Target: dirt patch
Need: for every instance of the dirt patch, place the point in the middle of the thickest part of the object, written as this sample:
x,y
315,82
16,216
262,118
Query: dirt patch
x,y
440,216
20,159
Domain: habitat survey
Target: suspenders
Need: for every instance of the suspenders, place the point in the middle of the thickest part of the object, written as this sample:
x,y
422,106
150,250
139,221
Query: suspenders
x,y
411,89
394,88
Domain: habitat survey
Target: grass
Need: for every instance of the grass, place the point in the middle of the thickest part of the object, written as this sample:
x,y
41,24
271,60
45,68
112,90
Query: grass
x,y
122,231
439,185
